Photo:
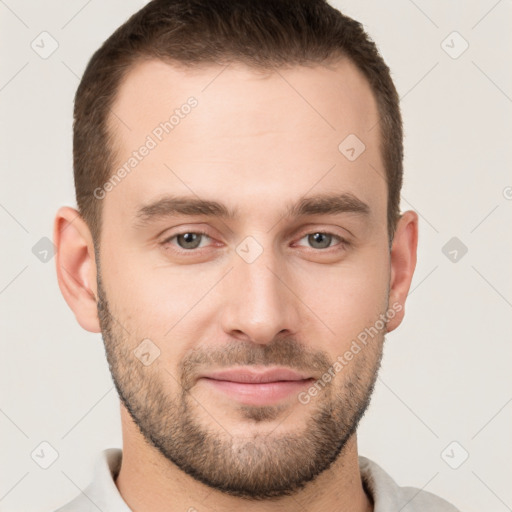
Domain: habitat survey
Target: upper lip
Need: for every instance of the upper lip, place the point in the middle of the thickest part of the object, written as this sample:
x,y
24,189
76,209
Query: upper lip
x,y
255,376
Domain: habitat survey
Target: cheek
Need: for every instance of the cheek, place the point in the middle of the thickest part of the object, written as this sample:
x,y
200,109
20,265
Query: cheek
x,y
164,305
146,301
349,297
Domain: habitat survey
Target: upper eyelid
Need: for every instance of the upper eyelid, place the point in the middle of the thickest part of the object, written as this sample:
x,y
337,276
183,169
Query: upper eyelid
x,y
302,234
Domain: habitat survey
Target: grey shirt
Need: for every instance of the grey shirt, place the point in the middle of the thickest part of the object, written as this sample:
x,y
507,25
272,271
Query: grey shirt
x,y
388,496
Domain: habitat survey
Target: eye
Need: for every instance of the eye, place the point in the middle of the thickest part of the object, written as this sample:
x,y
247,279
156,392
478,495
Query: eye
x,y
322,240
188,240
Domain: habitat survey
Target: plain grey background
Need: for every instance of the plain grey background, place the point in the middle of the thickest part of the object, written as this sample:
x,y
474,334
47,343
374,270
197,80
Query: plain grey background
x,y
444,391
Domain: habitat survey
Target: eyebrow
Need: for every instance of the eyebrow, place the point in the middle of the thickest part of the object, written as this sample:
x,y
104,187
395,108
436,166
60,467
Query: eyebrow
x,y
320,204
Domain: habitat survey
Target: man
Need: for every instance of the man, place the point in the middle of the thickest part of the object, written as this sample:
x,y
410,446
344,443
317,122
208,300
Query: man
x,y
239,245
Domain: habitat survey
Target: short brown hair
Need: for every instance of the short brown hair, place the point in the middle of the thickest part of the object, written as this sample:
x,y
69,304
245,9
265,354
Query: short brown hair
x,y
260,33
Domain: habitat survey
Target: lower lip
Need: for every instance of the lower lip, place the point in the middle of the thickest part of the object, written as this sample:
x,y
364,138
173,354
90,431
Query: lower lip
x,y
259,394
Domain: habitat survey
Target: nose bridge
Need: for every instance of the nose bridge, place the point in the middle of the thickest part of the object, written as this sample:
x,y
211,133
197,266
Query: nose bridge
x,y
259,304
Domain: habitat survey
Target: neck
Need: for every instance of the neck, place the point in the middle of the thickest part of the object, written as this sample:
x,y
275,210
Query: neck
x,y
147,481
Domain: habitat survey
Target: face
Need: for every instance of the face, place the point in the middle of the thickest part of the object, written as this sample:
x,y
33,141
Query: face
x,y
287,265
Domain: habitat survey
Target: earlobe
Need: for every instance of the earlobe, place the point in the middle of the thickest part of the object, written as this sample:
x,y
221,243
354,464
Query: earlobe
x,y
76,266
403,263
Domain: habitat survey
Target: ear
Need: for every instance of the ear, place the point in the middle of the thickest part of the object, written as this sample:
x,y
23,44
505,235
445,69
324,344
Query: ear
x,y
403,263
76,266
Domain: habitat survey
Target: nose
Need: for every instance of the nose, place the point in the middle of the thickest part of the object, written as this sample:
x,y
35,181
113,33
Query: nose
x,y
260,302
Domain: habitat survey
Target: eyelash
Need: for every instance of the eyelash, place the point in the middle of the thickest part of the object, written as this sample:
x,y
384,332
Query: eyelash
x,y
343,243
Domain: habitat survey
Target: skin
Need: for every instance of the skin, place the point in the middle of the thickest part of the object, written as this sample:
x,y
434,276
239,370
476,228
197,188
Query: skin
x,y
256,141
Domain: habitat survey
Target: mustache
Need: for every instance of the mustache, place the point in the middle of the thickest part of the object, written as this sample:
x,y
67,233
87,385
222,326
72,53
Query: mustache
x,y
280,352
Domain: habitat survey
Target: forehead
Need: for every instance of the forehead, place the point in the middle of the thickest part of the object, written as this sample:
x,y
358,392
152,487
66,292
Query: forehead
x,y
236,133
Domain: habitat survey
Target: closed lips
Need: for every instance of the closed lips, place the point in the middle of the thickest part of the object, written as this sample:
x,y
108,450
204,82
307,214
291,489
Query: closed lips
x,y
255,377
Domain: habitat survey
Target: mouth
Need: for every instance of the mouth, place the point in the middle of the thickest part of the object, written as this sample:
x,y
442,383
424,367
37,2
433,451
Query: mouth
x,y
253,387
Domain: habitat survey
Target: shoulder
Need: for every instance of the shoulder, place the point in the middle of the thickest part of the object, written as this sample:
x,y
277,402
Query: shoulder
x,y
389,496
101,493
